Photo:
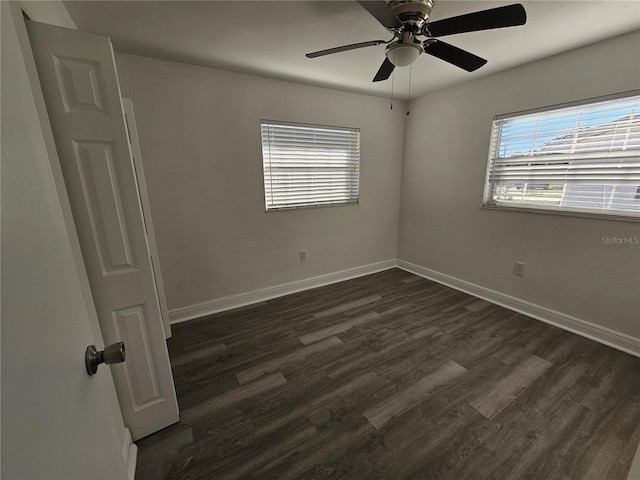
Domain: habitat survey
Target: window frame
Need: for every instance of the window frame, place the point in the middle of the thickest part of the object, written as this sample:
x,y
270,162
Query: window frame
x,y
268,209
553,210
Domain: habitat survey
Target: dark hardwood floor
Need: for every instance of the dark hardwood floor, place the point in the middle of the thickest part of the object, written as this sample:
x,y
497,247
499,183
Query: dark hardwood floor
x,y
391,376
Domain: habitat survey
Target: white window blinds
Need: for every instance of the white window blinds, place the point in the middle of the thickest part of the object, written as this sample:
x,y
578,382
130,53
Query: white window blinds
x,y
308,166
582,158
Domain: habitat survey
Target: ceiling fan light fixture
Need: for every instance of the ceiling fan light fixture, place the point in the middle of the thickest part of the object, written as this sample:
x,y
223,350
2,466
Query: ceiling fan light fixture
x,y
403,54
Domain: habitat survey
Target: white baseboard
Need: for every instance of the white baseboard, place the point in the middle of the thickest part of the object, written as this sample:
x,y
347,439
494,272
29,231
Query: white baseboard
x,y
607,336
130,454
240,300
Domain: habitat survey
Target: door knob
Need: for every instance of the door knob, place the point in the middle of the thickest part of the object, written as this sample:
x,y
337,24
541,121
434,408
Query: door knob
x,y
112,354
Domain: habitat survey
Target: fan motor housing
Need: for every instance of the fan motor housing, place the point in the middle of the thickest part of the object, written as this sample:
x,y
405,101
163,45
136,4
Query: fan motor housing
x,y
412,13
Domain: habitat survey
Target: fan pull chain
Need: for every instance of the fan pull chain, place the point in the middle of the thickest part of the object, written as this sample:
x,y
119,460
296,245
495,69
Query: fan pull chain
x,y
409,97
392,77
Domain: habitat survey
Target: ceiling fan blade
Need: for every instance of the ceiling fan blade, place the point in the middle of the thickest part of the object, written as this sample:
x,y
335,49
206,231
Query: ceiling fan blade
x,y
382,12
385,71
507,16
344,48
454,55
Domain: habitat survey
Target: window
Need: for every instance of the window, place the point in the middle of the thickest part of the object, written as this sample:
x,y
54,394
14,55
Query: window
x,y
309,166
580,158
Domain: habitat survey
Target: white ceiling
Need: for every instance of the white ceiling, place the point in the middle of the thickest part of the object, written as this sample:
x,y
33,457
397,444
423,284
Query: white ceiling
x,y
270,38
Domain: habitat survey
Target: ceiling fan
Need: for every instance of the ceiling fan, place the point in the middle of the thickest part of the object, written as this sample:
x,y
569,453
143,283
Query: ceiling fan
x,y
409,19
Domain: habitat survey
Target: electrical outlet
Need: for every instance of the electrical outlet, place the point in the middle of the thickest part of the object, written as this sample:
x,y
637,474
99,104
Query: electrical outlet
x,y
303,255
518,269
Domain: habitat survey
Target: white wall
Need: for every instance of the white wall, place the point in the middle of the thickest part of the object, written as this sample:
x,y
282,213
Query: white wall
x,y
443,228
57,422
199,133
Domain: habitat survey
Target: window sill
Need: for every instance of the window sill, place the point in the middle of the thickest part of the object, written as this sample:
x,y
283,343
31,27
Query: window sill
x,y
311,207
565,213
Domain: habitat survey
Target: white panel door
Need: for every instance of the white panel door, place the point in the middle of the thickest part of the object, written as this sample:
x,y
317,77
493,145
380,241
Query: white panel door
x,y
57,422
80,85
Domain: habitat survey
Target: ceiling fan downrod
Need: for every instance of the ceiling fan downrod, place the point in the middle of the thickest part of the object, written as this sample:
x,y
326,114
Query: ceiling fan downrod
x,y
413,14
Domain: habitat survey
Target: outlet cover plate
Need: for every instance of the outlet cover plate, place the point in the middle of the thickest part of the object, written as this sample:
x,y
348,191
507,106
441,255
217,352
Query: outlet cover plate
x,y
518,269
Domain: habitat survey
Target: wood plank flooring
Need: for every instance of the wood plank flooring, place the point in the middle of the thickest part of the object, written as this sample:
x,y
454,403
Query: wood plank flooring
x,y
391,376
